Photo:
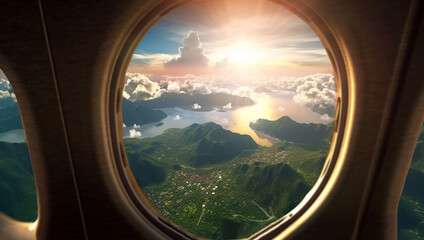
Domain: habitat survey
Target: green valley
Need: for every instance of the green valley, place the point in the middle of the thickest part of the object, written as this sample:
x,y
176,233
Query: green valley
x,y
17,188
219,184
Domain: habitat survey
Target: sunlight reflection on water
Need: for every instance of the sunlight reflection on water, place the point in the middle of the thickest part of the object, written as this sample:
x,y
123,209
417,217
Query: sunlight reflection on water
x,y
268,106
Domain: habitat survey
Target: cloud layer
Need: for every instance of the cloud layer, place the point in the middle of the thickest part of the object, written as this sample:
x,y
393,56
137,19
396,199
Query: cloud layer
x,y
145,87
316,92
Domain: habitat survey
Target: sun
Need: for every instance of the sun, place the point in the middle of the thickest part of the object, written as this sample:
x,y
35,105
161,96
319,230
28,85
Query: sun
x,y
242,54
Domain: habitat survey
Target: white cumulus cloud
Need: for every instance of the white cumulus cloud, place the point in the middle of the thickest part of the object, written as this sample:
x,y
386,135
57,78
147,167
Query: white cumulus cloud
x,y
196,106
134,133
325,117
7,94
177,117
5,84
227,106
201,88
136,126
317,92
244,92
173,87
145,87
140,87
281,108
191,54
125,95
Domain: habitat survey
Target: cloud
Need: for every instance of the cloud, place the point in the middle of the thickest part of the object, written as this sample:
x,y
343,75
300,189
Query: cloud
x,y
244,92
123,125
140,87
325,117
191,54
222,64
7,94
227,106
220,90
5,84
177,117
134,133
125,95
155,59
196,106
201,88
136,126
224,122
173,87
145,87
281,108
188,84
317,92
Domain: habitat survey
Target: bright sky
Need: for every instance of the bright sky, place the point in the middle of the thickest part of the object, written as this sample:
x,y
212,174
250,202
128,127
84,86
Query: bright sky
x,y
253,37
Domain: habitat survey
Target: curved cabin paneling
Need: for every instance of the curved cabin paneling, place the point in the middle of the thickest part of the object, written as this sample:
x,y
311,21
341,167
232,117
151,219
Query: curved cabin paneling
x,y
66,61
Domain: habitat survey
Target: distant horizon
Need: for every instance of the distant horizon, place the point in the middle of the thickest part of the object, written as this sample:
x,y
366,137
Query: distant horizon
x,y
235,48
231,39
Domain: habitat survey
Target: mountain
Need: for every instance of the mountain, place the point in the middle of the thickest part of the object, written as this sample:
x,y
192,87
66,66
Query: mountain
x,y
411,205
309,162
135,113
10,118
284,128
147,171
17,188
196,145
186,101
278,185
227,173
261,192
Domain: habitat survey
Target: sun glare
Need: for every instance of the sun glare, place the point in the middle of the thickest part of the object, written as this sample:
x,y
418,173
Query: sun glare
x,y
242,54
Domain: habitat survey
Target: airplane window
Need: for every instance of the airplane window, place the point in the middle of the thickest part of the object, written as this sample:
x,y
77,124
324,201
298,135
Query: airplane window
x,y
411,204
17,188
228,114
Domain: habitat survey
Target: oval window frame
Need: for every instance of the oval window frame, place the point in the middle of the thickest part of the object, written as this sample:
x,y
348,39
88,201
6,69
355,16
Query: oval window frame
x,y
345,88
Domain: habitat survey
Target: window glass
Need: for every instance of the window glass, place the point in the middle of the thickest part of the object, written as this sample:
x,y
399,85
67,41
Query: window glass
x,y
411,205
228,115
17,188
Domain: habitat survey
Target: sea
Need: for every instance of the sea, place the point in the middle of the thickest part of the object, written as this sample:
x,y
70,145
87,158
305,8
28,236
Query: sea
x,y
269,106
